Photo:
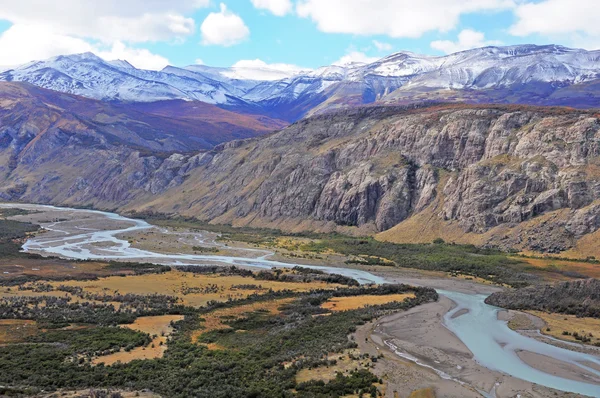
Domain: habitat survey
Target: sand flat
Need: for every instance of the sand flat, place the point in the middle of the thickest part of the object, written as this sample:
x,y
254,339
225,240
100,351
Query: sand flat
x,y
558,368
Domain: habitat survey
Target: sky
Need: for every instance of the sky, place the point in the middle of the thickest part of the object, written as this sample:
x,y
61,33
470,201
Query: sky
x,y
283,34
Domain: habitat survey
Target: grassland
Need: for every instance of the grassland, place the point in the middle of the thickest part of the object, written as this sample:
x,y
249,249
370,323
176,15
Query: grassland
x,y
559,269
344,362
16,330
558,325
69,326
352,303
218,320
237,347
158,327
459,260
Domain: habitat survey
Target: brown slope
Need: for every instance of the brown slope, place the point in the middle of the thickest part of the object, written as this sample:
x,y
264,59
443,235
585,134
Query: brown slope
x,y
166,127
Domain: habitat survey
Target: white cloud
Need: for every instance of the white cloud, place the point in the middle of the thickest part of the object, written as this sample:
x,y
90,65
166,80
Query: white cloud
x,y
223,28
23,43
20,44
557,16
199,61
467,39
138,57
382,46
355,57
42,29
277,7
107,20
574,22
257,69
394,18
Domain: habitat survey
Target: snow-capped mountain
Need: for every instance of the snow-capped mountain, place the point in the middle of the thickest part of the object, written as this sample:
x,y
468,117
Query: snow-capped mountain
x,y
90,76
291,94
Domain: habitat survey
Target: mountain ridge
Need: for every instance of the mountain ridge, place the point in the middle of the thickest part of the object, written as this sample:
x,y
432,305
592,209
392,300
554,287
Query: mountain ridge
x,y
527,74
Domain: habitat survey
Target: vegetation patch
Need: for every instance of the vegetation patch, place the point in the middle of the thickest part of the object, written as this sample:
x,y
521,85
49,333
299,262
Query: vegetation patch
x,y
489,264
159,328
570,327
353,303
256,337
579,297
16,330
93,340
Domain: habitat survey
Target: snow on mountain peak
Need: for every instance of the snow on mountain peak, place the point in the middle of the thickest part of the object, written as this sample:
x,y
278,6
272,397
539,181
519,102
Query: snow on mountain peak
x,y
256,81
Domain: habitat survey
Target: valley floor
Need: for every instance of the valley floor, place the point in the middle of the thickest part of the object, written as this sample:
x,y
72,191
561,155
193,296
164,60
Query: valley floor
x,y
446,366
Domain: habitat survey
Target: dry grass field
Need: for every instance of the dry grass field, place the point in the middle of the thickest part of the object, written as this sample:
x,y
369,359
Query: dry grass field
x,y
588,269
51,268
559,323
355,302
215,320
159,327
344,364
193,289
423,393
16,330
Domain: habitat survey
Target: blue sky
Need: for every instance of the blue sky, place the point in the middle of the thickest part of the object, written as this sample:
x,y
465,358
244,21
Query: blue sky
x,y
304,33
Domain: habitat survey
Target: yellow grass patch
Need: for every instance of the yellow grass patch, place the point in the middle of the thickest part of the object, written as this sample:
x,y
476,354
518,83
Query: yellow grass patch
x,y
344,364
190,288
15,330
86,393
51,267
423,393
355,302
570,323
213,346
589,269
153,325
216,320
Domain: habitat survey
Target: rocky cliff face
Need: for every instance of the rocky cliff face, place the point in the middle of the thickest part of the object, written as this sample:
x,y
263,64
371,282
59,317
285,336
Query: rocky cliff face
x,y
473,169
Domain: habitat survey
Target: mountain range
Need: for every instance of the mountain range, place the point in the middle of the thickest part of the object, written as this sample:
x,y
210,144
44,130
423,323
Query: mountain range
x,y
377,149
528,74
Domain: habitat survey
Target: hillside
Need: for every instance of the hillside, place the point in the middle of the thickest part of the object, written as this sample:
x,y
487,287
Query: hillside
x,y
514,177
580,297
28,112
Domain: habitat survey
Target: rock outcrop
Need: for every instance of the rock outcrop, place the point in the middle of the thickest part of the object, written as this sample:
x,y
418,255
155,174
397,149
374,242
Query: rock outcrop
x,y
578,297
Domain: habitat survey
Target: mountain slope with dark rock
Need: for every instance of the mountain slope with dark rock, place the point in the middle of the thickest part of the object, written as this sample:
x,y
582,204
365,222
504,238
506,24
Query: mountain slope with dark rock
x,y
514,177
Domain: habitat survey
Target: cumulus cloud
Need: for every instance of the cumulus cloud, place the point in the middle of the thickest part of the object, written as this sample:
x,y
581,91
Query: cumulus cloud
x,y
394,18
23,43
382,46
107,20
569,21
467,39
258,69
355,57
41,29
557,16
20,44
138,57
223,28
276,7
199,61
